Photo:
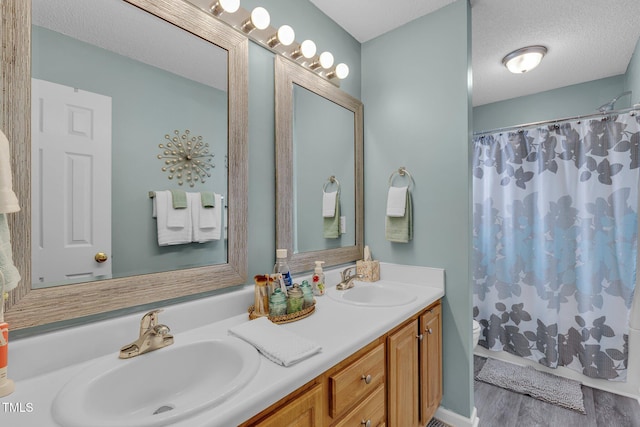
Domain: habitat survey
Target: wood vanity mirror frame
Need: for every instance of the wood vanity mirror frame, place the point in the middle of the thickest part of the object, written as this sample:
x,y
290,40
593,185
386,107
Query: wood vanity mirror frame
x,y
28,308
286,75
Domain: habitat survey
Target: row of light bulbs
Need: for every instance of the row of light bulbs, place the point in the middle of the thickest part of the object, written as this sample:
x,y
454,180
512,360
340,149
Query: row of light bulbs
x,y
284,36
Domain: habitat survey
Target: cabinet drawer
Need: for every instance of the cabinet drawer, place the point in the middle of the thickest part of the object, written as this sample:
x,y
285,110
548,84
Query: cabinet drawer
x,y
355,381
371,409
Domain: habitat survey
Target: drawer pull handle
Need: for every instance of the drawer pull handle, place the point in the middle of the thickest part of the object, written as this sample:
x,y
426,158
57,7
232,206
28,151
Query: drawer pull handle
x,y
430,331
366,423
366,378
420,337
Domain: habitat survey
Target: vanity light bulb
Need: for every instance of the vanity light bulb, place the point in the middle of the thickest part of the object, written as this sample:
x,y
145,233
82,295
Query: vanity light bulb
x,y
308,49
286,35
342,71
221,6
326,60
260,18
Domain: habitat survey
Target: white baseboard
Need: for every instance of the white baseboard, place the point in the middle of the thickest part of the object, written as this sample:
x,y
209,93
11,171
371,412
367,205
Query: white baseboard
x,y
457,420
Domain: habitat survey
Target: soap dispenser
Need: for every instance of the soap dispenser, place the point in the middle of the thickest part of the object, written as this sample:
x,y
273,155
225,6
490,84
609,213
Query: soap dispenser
x,y
318,279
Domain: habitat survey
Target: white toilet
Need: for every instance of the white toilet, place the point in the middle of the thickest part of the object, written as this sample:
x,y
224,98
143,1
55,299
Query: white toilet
x,y
476,333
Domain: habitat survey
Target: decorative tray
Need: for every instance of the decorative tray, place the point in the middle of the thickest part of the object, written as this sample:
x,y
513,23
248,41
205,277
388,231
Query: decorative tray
x,y
287,318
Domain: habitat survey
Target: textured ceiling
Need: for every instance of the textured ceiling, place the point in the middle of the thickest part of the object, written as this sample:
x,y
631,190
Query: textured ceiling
x,y
587,39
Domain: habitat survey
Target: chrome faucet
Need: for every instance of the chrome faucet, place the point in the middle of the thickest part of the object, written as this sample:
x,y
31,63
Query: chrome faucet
x,y
347,278
152,337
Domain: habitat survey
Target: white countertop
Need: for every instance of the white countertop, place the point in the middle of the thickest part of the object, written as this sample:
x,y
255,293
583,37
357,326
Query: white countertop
x,y
41,365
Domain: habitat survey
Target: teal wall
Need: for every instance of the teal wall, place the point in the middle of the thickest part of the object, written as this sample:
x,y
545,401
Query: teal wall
x,y
632,77
147,103
574,100
416,98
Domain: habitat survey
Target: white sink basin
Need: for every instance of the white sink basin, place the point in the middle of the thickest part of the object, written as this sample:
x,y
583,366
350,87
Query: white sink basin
x,y
156,388
374,294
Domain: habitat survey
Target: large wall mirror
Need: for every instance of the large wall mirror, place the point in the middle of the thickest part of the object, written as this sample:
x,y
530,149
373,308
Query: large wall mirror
x,y
319,148
95,95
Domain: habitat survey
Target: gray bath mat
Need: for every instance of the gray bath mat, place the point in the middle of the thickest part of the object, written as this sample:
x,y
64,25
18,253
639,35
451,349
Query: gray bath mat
x,y
527,380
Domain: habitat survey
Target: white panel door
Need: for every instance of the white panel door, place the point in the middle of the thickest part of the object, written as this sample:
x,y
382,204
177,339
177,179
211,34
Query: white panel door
x,y
71,184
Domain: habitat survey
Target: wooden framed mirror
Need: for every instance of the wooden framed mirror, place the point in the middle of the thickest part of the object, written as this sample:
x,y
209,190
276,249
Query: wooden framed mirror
x,y
309,151
29,306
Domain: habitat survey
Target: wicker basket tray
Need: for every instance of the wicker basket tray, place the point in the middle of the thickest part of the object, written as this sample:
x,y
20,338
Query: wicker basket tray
x,y
287,318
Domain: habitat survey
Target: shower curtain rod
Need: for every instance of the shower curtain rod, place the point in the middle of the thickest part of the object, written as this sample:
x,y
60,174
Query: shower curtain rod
x,y
636,107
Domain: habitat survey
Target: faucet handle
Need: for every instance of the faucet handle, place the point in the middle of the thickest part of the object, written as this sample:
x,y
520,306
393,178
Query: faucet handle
x,y
344,273
149,321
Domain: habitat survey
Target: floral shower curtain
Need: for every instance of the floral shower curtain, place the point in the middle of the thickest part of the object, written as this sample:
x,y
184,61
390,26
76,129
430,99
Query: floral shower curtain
x,y
555,240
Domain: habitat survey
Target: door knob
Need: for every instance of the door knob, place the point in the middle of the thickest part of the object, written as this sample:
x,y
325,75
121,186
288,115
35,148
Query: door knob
x,y
366,379
101,257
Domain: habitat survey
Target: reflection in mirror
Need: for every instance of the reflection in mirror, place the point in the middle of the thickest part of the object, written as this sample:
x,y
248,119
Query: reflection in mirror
x,y
318,135
95,145
160,99
319,152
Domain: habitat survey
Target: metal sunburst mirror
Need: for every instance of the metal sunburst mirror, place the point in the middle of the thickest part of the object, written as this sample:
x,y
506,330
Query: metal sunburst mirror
x,y
187,158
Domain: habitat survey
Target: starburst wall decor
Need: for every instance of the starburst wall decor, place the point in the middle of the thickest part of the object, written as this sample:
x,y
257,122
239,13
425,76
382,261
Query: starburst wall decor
x,y
187,158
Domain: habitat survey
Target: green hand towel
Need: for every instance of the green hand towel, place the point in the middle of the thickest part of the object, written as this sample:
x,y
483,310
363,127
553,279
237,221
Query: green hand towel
x,y
400,229
179,199
331,225
208,199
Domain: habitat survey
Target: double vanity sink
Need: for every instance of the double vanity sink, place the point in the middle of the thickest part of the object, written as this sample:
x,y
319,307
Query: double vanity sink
x,y
207,378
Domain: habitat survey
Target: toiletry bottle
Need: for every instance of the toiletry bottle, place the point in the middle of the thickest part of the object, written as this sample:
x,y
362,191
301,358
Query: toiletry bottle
x,y
295,299
318,279
307,294
282,267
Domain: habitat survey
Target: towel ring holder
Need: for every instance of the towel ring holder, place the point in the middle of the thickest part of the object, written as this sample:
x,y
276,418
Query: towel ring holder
x,y
331,180
402,171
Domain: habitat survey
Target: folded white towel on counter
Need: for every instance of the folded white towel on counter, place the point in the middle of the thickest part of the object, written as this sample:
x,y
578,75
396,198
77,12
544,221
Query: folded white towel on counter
x,y
396,201
329,204
275,342
207,222
167,234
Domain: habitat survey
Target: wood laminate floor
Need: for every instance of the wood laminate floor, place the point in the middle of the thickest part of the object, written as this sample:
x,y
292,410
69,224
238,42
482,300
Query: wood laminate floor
x,y
498,407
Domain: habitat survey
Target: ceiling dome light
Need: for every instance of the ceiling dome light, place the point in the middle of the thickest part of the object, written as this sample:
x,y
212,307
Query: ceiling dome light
x,y
284,36
259,19
326,60
221,6
525,59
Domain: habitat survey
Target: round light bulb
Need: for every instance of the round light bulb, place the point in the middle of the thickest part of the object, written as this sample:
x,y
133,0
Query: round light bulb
x,y
260,18
286,35
342,71
226,6
326,60
230,6
308,49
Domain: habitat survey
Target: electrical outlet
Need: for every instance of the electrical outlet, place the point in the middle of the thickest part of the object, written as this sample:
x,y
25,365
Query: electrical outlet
x,y
343,224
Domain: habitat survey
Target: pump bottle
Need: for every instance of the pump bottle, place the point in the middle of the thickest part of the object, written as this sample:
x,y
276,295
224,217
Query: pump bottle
x,y
317,281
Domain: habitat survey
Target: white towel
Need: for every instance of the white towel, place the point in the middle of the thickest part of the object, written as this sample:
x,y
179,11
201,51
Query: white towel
x,y
207,222
168,235
396,201
275,342
9,270
8,199
329,204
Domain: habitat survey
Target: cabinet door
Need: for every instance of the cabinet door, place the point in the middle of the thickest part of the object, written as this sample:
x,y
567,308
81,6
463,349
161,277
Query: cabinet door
x,y
305,410
403,376
430,363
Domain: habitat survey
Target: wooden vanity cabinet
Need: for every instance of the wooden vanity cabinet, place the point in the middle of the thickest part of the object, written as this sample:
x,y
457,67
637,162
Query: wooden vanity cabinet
x,y
395,381
415,369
